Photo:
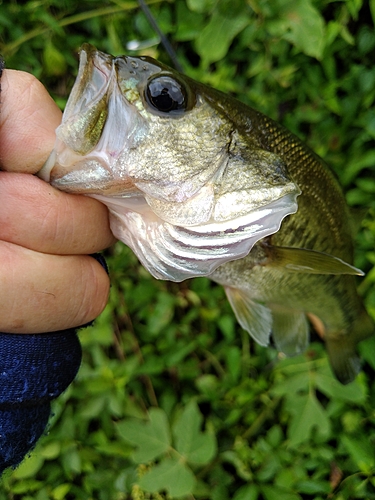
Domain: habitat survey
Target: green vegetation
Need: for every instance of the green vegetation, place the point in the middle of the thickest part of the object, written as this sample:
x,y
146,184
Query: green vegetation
x,y
173,399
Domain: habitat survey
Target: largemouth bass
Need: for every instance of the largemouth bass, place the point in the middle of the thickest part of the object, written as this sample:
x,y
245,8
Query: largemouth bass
x,y
198,184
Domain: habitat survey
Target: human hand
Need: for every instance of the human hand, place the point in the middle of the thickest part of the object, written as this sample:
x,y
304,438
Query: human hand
x,y
48,282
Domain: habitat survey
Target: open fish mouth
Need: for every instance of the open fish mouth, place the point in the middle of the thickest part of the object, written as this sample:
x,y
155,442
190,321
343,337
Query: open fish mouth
x,y
179,191
98,125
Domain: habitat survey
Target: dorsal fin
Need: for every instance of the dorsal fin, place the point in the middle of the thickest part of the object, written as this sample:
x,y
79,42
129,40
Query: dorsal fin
x,y
255,318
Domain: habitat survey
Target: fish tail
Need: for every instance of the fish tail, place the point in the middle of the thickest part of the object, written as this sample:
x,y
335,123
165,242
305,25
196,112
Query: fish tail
x,y
343,358
342,349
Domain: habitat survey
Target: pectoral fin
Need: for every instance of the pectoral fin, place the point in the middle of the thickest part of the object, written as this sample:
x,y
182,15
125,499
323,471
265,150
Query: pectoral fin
x,y
302,260
252,316
290,332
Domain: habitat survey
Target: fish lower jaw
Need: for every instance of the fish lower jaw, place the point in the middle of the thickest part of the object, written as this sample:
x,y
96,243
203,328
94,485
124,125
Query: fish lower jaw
x,y
88,176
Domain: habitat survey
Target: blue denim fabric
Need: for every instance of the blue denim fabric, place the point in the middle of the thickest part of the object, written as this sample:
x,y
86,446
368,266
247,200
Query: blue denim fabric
x,y
34,369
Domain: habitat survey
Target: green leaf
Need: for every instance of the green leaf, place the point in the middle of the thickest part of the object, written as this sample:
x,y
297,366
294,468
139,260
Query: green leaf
x,y
151,438
51,450
71,460
214,40
367,349
327,384
200,5
233,359
162,313
308,415
171,475
26,486
197,447
361,451
274,493
188,24
372,9
292,385
29,467
54,61
207,384
313,487
61,491
247,492
306,27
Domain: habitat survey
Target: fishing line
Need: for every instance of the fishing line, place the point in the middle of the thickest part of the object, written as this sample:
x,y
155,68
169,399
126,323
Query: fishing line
x,y
164,40
2,66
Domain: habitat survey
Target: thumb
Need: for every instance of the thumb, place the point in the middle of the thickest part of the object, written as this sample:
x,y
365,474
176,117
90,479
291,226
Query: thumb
x,y
28,120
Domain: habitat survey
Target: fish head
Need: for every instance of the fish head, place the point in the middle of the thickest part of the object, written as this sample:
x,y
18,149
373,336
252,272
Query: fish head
x,y
188,185
130,122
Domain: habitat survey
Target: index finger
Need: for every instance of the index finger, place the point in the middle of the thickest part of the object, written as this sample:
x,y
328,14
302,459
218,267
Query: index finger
x,y
39,217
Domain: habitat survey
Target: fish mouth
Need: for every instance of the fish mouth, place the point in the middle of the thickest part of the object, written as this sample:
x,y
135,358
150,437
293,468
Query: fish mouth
x,y
86,110
86,176
88,146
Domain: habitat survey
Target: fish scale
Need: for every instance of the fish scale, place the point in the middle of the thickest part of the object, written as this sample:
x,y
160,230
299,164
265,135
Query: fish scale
x,y
331,210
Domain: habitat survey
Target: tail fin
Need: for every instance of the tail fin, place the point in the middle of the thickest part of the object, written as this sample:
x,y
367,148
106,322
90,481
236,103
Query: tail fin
x,y
342,349
343,358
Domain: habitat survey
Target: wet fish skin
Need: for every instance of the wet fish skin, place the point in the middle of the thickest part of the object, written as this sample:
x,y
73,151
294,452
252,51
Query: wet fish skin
x,y
321,224
181,185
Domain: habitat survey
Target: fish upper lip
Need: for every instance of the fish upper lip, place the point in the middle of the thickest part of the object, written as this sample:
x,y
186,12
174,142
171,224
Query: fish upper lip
x,y
97,88
88,101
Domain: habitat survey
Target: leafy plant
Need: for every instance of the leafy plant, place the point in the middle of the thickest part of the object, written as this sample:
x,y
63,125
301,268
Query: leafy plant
x,y
173,400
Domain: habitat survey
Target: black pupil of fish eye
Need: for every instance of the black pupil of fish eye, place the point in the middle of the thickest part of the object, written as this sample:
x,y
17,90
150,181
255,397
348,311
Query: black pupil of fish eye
x,y
166,94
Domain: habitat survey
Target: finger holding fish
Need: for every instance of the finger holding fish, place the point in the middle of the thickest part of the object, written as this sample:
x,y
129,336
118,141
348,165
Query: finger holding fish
x,y
24,149
47,283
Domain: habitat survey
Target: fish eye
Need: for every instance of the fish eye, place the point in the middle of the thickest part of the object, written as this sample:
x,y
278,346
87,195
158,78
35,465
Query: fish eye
x,y
166,95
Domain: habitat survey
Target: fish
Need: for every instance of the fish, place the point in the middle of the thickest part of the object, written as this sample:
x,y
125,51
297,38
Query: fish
x,y
199,184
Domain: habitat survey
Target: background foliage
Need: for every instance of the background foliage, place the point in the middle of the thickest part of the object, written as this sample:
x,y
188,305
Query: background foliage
x,y
173,400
